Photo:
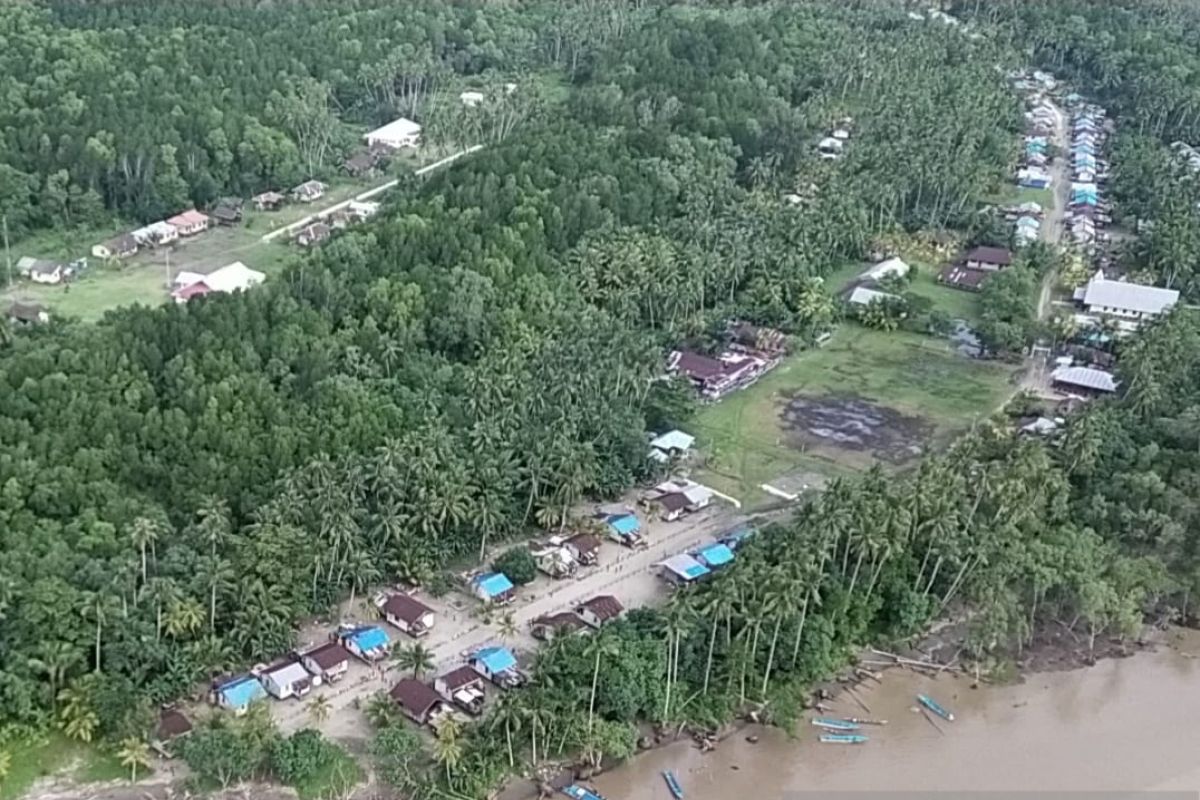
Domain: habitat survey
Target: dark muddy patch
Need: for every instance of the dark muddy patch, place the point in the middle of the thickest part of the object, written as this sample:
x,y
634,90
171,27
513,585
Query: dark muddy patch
x,y
856,424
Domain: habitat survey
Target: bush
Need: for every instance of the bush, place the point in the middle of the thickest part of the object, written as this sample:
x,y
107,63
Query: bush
x,y
518,564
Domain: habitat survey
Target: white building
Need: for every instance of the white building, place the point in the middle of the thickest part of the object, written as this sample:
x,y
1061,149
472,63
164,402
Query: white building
x,y
1129,302
884,269
397,134
862,296
231,278
286,680
471,99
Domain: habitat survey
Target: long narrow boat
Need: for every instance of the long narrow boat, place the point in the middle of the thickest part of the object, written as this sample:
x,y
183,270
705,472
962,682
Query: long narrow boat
x,y
577,792
935,707
843,738
673,784
836,724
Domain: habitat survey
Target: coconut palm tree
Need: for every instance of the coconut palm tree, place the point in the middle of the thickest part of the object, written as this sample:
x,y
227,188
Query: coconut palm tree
x,y
54,660
134,753
416,657
508,715
319,708
183,617
507,626
448,747
144,533
601,646
717,605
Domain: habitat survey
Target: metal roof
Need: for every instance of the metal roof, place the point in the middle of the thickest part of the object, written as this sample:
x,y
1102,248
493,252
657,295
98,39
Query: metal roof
x,y
674,440
1086,377
241,691
715,555
624,524
495,659
686,567
493,585
862,296
1128,296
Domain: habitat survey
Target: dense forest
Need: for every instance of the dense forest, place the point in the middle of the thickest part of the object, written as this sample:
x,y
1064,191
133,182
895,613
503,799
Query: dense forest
x,y
178,486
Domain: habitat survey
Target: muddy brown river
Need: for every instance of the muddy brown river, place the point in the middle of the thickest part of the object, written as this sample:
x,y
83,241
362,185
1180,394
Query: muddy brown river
x,y
1127,724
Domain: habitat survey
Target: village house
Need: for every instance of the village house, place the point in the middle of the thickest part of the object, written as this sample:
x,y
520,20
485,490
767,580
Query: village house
x,y
396,135
714,556
715,378
268,201
464,688
236,694
830,148
361,164
1084,381
988,259
623,528
235,277
555,561
286,679
329,661
682,569
865,296
228,211
598,610
669,506
584,548
406,613
470,99
362,210
121,246
27,313
675,498
549,625
417,701
959,277
1130,303
369,643
309,191
156,234
40,270
498,665
889,268
768,343
189,223
671,445
313,234
494,588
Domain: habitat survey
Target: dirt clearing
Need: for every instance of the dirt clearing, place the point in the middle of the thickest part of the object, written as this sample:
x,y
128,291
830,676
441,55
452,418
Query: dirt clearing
x,y
847,422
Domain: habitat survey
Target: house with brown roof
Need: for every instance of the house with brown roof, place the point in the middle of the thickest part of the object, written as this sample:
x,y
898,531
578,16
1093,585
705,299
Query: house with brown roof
x,y
172,724
670,505
584,548
464,688
330,661
957,276
268,201
715,378
988,259
548,625
416,700
601,609
406,613
313,234
27,313
121,246
228,211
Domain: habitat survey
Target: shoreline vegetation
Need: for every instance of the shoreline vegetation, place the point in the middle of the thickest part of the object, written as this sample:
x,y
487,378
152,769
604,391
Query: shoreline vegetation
x,y
181,485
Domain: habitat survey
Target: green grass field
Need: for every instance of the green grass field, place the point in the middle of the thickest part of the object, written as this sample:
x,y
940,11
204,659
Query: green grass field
x,y
958,304
56,755
919,376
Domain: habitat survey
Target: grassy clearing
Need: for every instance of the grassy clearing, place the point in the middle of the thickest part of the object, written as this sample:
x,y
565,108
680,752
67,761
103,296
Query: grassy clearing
x,y
1012,195
56,755
956,303
747,446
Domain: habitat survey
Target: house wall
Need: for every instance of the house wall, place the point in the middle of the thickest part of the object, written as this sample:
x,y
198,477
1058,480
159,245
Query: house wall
x,y
274,688
43,277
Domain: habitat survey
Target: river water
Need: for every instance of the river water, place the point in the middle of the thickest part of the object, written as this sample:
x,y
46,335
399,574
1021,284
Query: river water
x,y
1124,724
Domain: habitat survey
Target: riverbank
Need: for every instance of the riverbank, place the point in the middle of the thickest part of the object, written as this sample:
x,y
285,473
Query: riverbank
x,y
1121,724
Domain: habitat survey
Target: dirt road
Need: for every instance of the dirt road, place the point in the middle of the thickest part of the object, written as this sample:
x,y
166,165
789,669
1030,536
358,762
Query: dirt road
x,y
627,574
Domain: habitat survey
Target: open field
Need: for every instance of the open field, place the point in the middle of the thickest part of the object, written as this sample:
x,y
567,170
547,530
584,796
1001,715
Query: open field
x,y
958,304
748,443
56,755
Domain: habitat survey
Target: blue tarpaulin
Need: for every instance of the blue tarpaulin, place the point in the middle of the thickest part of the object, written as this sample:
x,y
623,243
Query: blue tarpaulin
x,y
496,659
715,555
493,585
624,524
241,692
369,638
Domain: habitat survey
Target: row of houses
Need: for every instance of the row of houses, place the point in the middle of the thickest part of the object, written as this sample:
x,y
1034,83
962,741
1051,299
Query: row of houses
x,y
1087,213
703,562
351,213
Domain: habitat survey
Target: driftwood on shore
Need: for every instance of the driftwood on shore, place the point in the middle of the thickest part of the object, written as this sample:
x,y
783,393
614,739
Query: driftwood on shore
x,y
912,662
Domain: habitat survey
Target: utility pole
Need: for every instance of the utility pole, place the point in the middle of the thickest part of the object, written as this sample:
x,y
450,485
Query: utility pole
x,y
7,254
168,254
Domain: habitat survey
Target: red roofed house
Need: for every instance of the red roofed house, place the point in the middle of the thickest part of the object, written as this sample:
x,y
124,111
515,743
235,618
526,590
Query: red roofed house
x,y
600,609
406,613
189,223
547,625
416,700
330,661
965,278
715,378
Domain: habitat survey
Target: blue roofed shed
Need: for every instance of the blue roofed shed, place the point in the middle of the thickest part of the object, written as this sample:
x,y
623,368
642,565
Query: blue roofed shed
x,y
494,587
714,555
368,642
683,569
498,665
623,527
238,693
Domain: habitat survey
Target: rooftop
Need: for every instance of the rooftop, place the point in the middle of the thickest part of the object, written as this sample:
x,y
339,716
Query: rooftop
x,y
685,566
604,606
717,554
455,679
415,696
1128,296
673,440
403,607
1086,377
493,584
990,255
495,659
328,656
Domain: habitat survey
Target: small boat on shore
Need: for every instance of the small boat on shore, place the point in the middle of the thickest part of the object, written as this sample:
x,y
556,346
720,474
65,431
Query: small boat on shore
x,y
843,738
577,792
858,721
836,724
673,784
935,707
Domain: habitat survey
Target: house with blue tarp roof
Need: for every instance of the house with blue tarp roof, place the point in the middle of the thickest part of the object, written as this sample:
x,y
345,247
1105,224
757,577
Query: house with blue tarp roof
x,y
623,528
498,665
236,694
683,569
494,587
368,642
715,555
